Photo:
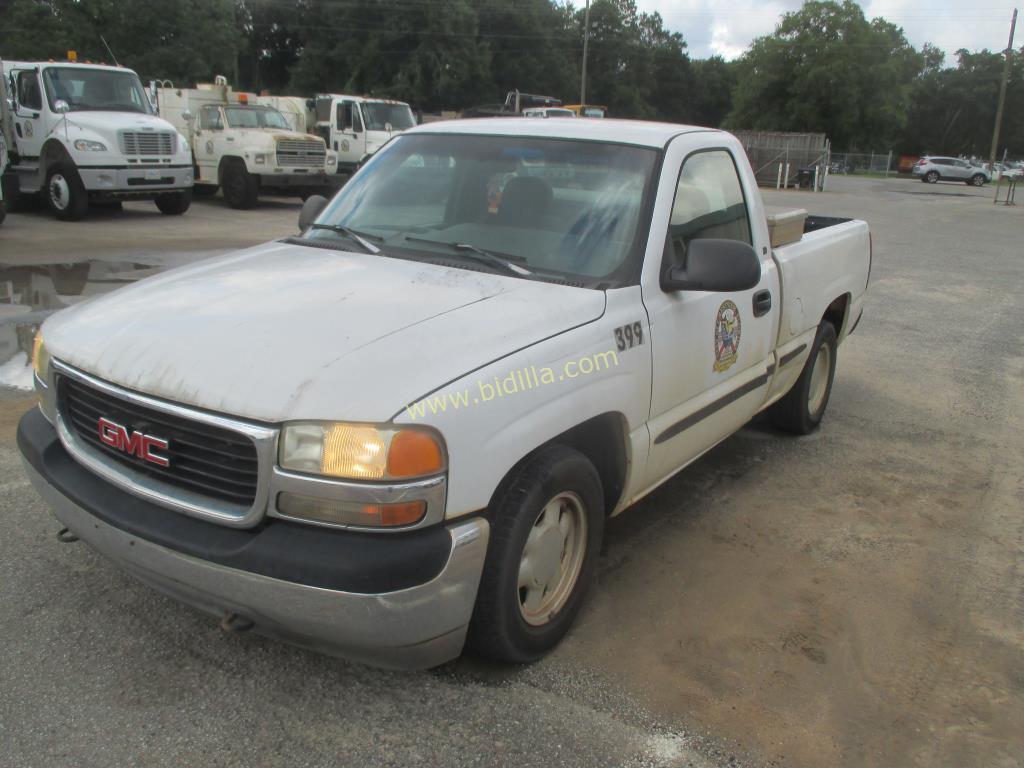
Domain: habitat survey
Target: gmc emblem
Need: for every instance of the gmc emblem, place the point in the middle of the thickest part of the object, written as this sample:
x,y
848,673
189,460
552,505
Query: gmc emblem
x,y
134,443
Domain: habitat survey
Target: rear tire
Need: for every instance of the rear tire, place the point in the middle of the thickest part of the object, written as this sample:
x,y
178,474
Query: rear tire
x,y
977,180
241,188
3,211
803,407
932,177
547,522
65,193
174,204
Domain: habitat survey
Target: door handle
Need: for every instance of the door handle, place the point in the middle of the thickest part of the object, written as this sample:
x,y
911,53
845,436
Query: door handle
x,y
762,303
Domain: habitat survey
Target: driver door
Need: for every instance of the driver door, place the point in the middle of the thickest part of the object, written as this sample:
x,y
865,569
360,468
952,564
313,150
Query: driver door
x,y
28,108
350,143
209,142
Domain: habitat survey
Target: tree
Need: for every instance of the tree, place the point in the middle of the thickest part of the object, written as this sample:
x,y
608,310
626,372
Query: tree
x,y
181,40
953,110
714,80
826,68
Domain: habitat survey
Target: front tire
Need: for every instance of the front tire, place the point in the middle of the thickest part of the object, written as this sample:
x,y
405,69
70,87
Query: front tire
x,y
803,407
547,524
65,193
174,204
241,188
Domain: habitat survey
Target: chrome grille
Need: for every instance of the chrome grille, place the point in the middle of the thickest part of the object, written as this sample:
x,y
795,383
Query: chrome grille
x,y
295,153
148,143
210,461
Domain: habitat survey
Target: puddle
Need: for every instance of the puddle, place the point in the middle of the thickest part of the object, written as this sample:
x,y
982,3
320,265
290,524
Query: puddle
x,y
29,293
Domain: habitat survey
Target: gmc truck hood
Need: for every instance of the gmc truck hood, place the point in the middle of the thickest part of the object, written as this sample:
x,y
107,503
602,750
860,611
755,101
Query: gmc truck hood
x,y
285,332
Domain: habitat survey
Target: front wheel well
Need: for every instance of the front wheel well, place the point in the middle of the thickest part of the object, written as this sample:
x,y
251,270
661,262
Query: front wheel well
x,y
602,439
837,312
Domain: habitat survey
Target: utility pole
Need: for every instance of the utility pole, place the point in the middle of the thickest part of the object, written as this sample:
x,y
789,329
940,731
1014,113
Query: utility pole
x,y
586,43
1002,95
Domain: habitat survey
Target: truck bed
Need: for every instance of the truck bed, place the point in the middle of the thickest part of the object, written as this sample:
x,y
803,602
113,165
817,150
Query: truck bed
x,y
831,260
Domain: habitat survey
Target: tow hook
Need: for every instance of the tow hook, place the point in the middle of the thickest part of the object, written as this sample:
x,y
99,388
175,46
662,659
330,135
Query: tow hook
x,y
64,536
235,624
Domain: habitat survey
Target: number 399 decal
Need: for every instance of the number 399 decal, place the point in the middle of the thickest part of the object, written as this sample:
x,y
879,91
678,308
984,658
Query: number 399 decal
x,y
628,336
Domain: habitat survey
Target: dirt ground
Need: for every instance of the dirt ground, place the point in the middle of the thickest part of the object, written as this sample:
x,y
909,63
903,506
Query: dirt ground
x,y
851,598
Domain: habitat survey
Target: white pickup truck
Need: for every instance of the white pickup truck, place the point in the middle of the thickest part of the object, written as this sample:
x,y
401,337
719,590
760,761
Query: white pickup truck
x,y
406,426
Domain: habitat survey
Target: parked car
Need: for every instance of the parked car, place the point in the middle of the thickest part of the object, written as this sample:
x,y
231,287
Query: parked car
x,y
932,169
406,426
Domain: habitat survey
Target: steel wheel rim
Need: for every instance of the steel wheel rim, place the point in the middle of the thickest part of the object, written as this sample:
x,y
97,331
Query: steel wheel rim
x,y
60,192
819,378
552,558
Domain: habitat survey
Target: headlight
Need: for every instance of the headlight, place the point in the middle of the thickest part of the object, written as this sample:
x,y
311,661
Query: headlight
x,y
332,158
360,451
84,145
40,358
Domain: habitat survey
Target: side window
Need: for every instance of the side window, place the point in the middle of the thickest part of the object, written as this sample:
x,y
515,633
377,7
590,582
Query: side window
x,y
348,117
209,119
709,203
29,95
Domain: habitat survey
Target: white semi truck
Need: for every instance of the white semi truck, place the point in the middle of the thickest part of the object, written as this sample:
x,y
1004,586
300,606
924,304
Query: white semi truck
x,y
87,132
3,173
244,147
357,126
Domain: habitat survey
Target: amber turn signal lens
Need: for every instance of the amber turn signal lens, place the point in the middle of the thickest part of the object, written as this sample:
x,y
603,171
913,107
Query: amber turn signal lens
x,y
414,454
335,512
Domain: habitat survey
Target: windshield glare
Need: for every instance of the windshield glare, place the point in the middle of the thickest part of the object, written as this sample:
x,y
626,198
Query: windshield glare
x,y
255,117
95,89
379,114
571,208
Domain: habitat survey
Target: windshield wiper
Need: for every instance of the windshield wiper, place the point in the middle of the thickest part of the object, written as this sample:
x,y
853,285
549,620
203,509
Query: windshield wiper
x,y
350,233
477,254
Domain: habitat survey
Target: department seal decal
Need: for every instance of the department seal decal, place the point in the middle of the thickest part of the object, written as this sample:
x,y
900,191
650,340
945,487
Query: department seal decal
x,y
727,336
344,145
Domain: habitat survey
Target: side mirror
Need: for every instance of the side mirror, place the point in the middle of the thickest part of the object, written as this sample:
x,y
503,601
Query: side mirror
x,y
388,127
61,107
312,208
715,265
187,116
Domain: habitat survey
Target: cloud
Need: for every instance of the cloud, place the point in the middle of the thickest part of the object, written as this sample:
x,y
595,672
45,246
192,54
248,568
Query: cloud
x,y
715,27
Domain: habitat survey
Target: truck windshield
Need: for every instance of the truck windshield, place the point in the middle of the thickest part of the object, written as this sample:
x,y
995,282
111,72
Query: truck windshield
x,y
555,208
255,117
379,114
87,89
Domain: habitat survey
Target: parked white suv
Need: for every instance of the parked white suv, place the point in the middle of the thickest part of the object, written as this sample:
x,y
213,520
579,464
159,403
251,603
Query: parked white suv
x,y
932,170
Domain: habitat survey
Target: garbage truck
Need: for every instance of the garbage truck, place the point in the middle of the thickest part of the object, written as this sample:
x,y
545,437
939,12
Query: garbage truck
x,y
357,126
243,147
80,132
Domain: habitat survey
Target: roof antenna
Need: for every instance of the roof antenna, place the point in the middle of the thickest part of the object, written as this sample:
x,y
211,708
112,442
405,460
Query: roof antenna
x,y
112,56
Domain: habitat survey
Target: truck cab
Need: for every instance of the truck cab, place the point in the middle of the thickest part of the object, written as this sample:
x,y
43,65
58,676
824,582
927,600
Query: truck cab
x,y
244,147
357,126
87,132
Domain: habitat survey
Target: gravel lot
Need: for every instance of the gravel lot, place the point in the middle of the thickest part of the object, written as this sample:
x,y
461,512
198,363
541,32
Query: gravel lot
x,y
851,598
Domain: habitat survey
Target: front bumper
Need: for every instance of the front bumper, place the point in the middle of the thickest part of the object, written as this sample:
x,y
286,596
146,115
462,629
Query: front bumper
x,y
400,601
138,181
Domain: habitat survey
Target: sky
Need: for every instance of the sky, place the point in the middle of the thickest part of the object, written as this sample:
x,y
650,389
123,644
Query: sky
x,y
726,27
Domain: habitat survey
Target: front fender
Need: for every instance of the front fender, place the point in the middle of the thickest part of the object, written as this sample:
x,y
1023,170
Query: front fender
x,y
495,416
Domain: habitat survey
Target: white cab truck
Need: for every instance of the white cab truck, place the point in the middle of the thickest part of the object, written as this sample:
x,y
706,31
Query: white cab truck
x,y
357,126
3,173
79,132
244,147
406,426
